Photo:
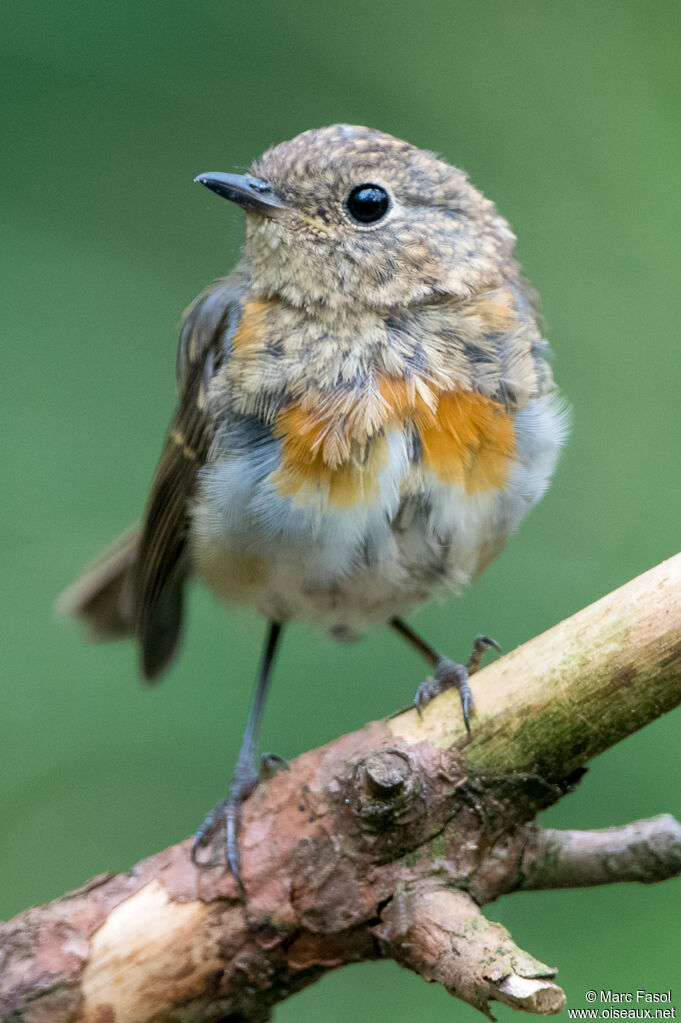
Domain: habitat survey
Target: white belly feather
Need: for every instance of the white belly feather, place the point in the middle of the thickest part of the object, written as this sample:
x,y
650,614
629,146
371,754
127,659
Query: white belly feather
x,y
347,569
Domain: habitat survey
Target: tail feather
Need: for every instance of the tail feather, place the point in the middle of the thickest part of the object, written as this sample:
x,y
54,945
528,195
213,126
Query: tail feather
x,y
102,596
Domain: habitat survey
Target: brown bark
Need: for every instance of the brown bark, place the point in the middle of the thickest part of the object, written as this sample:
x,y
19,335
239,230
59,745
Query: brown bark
x,y
384,843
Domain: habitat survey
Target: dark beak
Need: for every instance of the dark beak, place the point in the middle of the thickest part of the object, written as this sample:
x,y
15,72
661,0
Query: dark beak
x,y
253,194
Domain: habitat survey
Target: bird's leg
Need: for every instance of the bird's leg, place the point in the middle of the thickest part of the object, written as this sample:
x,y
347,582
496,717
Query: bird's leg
x,y
246,773
448,674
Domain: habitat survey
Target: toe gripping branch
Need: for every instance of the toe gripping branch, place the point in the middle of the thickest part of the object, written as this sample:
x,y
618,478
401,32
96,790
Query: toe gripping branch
x,y
225,817
450,675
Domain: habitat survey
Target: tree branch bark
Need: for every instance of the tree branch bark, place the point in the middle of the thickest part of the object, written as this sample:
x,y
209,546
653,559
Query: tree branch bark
x,y
385,843
647,851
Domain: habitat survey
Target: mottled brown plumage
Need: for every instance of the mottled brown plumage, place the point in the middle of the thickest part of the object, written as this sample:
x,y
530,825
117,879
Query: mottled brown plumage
x,y
366,410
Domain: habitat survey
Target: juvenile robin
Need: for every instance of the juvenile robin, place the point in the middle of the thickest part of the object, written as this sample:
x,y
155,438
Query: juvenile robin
x,y
366,412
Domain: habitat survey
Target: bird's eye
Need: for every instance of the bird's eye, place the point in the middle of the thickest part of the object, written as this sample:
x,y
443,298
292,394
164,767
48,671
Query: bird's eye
x,y
368,203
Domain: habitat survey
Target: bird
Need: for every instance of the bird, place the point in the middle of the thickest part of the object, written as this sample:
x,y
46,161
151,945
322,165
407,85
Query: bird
x,y
366,411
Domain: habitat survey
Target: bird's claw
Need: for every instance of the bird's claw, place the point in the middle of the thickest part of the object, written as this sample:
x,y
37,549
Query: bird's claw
x,y
227,814
480,644
450,675
271,764
206,834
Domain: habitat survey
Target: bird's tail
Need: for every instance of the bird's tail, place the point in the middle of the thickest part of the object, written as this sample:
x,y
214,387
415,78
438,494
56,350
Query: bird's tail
x,y
101,596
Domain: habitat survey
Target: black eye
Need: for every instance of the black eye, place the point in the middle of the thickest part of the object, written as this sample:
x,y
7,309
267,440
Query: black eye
x,y
367,203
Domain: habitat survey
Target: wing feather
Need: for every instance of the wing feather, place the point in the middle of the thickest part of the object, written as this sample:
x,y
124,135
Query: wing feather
x,y
162,564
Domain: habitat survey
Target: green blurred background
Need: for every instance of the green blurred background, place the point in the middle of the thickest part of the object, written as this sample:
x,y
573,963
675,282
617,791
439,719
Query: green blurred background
x,y
567,114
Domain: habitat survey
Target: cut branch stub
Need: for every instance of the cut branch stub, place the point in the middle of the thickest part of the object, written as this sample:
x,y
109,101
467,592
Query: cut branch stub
x,y
442,935
386,792
387,773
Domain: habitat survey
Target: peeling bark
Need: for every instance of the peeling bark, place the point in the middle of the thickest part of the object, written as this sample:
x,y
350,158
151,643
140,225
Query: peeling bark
x,y
385,843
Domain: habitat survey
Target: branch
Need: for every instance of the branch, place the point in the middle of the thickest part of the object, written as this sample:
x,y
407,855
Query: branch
x,y
384,843
442,935
646,851
556,702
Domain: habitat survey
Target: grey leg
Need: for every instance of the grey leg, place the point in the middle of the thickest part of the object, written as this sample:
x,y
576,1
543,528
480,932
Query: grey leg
x,y
246,772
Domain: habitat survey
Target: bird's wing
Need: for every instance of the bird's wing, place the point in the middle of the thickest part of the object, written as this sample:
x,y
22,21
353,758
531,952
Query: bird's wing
x,y
162,564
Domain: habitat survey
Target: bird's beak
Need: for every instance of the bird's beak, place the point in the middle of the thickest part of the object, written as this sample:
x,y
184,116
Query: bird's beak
x,y
253,194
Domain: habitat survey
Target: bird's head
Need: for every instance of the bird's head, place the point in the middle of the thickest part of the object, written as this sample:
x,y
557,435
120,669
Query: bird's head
x,y
345,217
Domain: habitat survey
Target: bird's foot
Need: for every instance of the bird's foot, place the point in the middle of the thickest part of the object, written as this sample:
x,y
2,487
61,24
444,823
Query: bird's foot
x,y
480,644
450,675
271,764
227,814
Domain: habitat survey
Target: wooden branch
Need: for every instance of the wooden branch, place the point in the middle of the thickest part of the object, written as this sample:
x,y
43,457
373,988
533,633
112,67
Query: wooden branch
x,y
646,851
384,843
441,934
554,703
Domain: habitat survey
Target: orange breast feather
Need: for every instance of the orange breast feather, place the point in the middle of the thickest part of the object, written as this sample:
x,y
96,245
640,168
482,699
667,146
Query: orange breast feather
x,y
465,439
318,454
